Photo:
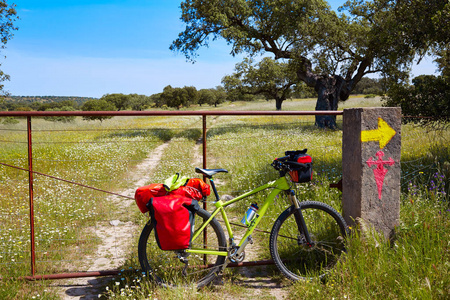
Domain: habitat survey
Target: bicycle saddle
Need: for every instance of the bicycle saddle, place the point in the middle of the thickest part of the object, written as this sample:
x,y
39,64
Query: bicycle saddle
x,y
209,172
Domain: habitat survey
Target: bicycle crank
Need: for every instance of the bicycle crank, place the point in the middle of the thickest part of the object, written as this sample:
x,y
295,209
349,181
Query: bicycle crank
x,y
235,256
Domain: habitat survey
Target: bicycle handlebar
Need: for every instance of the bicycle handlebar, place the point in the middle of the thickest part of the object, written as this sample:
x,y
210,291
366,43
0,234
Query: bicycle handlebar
x,y
297,164
282,159
284,164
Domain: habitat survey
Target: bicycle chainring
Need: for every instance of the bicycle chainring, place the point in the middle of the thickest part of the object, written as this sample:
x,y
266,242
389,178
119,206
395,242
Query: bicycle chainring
x,y
234,258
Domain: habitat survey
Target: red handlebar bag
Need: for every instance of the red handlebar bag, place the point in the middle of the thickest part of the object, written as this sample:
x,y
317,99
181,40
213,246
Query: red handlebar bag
x,y
145,193
302,174
173,219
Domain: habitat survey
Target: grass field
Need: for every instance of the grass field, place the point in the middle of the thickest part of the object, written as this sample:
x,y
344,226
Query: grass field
x,y
416,266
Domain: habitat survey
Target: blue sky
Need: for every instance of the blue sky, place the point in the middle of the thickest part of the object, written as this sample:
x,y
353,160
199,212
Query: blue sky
x,y
94,47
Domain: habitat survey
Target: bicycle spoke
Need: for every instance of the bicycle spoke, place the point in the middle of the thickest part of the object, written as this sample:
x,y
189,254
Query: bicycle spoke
x,y
174,268
299,260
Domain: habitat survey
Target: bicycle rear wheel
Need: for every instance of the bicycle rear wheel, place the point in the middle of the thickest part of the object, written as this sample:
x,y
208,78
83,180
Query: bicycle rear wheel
x,y
288,247
166,267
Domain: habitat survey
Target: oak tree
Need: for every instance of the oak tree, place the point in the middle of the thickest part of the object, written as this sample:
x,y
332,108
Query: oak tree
x,y
270,78
329,51
8,16
120,101
97,105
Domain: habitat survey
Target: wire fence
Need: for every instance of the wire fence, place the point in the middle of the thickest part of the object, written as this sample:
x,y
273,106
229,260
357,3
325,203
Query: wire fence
x,y
84,174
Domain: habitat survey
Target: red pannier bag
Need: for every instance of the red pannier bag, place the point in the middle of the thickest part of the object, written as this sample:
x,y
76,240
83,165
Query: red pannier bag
x,y
200,185
173,219
145,193
301,174
195,188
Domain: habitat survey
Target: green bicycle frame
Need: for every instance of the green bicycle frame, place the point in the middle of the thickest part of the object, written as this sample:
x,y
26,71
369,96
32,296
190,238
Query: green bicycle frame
x,y
278,185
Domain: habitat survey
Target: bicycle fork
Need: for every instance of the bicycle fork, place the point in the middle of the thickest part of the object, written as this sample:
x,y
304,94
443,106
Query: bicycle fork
x,y
301,225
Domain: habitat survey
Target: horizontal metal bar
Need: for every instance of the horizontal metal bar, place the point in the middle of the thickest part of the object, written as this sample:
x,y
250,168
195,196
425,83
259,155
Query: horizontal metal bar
x,y
251,263
165,113
72,275
116,272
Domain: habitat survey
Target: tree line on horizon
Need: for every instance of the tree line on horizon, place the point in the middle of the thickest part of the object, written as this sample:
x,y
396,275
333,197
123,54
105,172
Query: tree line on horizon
x,y
293,47
433,92
170,97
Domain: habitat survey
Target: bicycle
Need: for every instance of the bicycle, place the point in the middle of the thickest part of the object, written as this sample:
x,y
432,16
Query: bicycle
x,y
305,242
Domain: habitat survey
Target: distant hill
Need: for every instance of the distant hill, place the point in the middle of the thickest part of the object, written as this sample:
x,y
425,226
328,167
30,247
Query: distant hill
x,y
45,99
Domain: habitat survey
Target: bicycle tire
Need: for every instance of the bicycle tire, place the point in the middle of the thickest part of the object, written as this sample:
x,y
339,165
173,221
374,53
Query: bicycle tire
x,y
289,250
166,268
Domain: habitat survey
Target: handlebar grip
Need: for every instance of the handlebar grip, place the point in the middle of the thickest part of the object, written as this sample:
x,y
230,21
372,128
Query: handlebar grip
x,y
282,159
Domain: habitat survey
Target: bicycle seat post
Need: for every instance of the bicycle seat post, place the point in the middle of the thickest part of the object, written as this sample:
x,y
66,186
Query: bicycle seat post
x,y
208,173
214,188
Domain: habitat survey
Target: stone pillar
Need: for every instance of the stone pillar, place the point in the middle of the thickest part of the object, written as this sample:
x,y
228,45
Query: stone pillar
x,y
371,148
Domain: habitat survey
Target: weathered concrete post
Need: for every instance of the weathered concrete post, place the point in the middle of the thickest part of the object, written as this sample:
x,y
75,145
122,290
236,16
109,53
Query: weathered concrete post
x,y
371,167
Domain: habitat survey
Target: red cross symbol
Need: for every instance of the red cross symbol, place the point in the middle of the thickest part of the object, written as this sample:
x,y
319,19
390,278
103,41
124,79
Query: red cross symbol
x,y
380,172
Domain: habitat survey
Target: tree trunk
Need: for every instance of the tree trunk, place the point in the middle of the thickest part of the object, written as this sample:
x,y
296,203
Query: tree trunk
x,y
329,90
278,102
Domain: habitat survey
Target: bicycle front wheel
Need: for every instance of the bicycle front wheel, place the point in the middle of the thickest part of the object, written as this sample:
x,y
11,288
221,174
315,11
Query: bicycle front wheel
x,y
169,268
293,256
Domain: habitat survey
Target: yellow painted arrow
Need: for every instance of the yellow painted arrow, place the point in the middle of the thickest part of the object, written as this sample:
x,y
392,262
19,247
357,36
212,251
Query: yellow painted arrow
x,y
383,134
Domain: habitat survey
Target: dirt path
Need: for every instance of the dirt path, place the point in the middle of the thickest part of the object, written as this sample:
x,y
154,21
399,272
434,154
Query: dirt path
x,y
257,280
115,236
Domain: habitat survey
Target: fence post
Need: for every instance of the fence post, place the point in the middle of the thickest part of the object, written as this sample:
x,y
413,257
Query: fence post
x,y
371,149
205,233
30,189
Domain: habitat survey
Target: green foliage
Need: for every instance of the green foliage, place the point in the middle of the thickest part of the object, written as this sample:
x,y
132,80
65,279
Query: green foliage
x,y
97,105
120,101
36,101
273,79
192,94
55,106
205,96
139,102
443,61
177,97
427,97
402,30
218,96
8,16
301,91
174,97
328,51
369,86
9,121
63,119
